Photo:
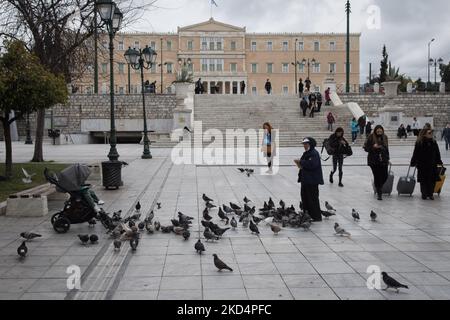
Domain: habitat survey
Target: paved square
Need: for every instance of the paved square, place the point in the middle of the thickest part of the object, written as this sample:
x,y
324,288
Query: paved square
x,y
410,241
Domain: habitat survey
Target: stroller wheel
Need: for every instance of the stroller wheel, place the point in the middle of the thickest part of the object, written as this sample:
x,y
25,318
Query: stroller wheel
x,y
61,225
55,217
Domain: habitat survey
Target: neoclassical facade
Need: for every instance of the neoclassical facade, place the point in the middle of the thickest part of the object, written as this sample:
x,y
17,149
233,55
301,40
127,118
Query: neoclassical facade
x,y
225,56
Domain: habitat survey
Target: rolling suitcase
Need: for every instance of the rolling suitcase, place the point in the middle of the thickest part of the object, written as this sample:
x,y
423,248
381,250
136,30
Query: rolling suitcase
x,y
388,185
440,183
407,184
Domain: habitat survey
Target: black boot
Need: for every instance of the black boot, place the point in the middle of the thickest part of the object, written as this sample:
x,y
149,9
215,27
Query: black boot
x,y
340,180
331,177
380,194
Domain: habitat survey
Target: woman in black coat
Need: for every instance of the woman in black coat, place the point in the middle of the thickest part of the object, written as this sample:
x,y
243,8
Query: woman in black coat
x,y
426,158
340,147
378,158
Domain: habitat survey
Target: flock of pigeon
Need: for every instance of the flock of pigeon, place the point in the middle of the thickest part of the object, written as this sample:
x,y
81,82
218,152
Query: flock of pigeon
x,y
128,229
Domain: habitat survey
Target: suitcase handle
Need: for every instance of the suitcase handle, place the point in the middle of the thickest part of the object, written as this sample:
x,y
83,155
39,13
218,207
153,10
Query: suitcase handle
x,y
414,173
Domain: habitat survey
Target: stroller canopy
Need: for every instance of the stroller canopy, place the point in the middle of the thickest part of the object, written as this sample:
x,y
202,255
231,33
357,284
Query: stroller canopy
x,y
73,177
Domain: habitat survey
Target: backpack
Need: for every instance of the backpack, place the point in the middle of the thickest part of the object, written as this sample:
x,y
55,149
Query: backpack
x,y
327,146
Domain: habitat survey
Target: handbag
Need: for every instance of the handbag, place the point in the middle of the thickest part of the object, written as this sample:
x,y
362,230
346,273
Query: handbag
x,y
348,152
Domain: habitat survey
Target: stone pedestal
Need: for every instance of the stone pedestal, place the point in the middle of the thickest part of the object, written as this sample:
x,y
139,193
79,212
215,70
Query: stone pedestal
x,y
442,87
376,87
390,88
409,87
391,116
329,83
183,114
27,206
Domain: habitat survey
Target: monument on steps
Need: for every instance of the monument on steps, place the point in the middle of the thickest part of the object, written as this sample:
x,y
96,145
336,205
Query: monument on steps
x,y
391,115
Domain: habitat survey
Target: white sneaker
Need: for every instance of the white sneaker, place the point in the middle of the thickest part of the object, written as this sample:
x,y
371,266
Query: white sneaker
x,y
101,202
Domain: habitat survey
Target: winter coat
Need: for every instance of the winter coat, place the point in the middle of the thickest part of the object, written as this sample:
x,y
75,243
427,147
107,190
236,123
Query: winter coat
x,y
336,144
426,157
369,128
304,104
311,171
377,157
300,87
330,119
354,125
446,134
327,95
268,86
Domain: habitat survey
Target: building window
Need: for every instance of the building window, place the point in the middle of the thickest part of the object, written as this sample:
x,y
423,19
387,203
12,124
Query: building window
x,y
104,67
137,45
254,67
153,45
285,90
120,45
254,91
269,67
332,46
285,46
269,46
191,67
332,67
301,46
285,68
121,90
121,68
204,45
316,67
253,46
212,65
190,45
219,45
233,67
301,68
219,65
204,65
316,46
169,45
233,45
169,67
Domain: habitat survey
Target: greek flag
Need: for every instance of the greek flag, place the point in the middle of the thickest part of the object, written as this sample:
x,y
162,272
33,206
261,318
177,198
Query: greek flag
x,y
214,3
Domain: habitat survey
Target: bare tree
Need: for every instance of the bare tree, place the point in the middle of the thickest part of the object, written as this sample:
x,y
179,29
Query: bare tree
x,y
56,31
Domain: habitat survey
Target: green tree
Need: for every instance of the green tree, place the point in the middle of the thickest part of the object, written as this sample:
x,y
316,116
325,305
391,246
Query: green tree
x,y
25,86
384,66
445,75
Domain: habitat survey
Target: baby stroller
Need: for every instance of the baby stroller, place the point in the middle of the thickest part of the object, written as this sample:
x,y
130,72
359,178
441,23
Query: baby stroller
x,y
76,209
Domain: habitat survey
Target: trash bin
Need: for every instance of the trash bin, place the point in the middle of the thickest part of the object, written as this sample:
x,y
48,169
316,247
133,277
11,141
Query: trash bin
x,y
112,174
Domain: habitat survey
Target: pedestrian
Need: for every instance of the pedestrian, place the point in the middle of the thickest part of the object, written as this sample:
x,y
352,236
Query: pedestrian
x,y
268,87
304,106
308,84
312,104
268,146
319,101
362,124
242,87
378,159
300,87
401,132
369,128
199,86
310,177
340,147
354,127
415,127
327,96
426,158
330,120
446,136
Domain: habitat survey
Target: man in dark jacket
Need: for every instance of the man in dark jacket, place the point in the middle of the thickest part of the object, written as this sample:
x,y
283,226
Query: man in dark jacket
x,y
310,176
319,101
268,87
362,124
446,136
304,106
369,128
426,158
300,88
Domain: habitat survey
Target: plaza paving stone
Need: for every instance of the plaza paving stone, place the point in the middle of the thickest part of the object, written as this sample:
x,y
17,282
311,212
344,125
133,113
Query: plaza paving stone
x,y
410,240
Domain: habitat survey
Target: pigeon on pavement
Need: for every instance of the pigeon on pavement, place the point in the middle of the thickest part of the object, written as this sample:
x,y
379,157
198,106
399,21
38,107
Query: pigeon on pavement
x,y
158,204
219,232
329,207
117,244
206,198
253,227
134,243
186,234
355,215
30,235
340,231
209,235
327,214
223,216
157,225
233,223
209,205
84,238
392,283
22,250
93,238
220,264
275,228
247,200
92,223
206,215
138,206
199,247
227,209
373,216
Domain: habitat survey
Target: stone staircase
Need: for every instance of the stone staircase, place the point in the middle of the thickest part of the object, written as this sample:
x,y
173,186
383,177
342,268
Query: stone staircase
x,y
283,112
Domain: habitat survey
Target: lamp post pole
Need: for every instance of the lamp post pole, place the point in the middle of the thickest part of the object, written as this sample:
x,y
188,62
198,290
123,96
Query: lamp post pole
x,y
347,81
429,57
161,65
295,67
146,154
113,154
129,79
95,50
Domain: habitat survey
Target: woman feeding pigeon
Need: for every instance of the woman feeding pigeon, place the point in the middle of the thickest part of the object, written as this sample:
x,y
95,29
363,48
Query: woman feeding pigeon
x,y
310,176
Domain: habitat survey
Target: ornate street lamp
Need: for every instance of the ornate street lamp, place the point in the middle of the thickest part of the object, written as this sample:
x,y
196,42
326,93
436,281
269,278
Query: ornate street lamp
x,y
112,18
140,60
435,63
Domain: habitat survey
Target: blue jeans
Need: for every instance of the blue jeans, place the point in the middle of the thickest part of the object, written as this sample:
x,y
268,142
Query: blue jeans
x,y
354,135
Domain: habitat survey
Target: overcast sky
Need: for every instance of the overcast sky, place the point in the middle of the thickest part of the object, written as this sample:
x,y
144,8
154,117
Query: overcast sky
x,y
404,26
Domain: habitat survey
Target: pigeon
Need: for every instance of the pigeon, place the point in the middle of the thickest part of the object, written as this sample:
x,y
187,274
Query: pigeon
x,y
138,206
392,283
28,176
249,172
227,209
327,214
186,234
235,206
282,204
93,238
199,247
131,223
175,222
265,208
329,207
219,232
117,215
223,216
134,243
30,235
141,225
253,227
178,230
275,228
209,205
247,208
168,229
206,198
149,227
187,129
268,220
355,215
150,216
92,223
242,170
158,204
373,216
220,264
184,217
134,217
247,200
233,223
117,244
245,222
256,219
209,235
340,231
306,225
22,250
206,215
271,204
157,225
84,238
